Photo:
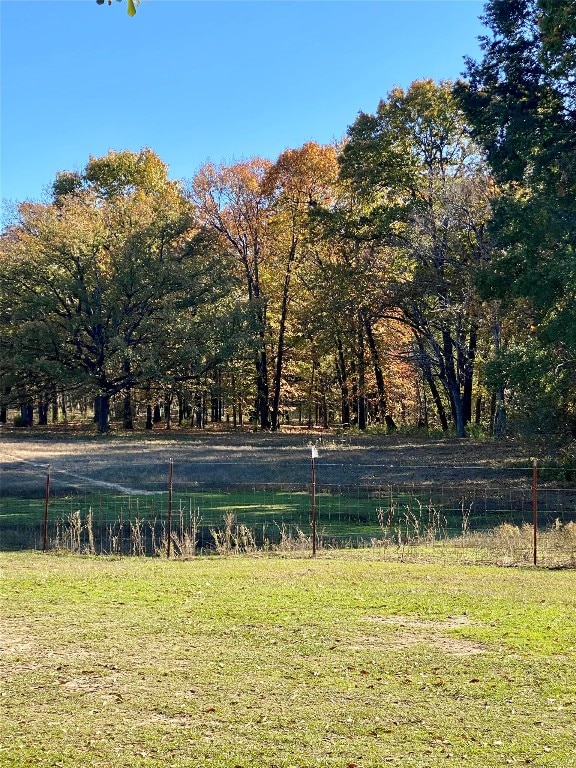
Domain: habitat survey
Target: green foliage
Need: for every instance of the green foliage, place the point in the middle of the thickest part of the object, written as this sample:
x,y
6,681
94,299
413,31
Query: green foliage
x,y
520,99
121,173
412,131
425,201
540,393
130,5
108,285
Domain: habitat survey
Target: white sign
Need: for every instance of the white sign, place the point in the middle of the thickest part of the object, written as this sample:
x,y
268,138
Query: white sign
x,y
314,452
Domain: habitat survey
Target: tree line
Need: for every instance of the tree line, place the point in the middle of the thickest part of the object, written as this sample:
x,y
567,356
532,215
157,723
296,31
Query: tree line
x,y
419,274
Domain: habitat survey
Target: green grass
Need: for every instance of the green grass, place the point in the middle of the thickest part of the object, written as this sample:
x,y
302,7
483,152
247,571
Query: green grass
x,y
342,514
262,510
340,661
256,503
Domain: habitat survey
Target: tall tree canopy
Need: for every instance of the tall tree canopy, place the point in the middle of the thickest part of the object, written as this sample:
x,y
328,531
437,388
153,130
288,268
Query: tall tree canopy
x,y
423,192
521,100
299,180
232,201
93,281
363,279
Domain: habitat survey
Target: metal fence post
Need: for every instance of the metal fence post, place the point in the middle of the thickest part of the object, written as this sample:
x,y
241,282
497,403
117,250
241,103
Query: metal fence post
x,y
535,507
46,504
313,498
170,473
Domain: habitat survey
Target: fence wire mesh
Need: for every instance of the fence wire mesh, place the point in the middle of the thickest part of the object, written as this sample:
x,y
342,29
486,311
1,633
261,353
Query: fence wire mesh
x,y
130,510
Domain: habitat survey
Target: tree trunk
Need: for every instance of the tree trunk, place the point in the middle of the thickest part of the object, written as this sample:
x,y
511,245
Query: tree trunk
x,y
168,410
458,412
427,375
323,402
181,408
3,408
127,416
54,405
361,404
422,404
499,417
149,422
440,410
216,405
478,411
468,375
127,419
43,408
452,385
234,402
281,336
199,410
262,385
102,413
27,414
342,376
361,381
499,408
383,416
311,388
353,395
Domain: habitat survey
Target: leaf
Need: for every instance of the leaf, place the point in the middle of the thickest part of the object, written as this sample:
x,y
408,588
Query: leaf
x,y
131,8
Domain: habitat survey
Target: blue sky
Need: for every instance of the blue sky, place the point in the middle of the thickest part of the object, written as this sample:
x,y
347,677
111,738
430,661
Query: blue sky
x,y
219,80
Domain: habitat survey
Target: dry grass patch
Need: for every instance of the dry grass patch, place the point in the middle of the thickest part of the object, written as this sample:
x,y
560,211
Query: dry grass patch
x,y
410,631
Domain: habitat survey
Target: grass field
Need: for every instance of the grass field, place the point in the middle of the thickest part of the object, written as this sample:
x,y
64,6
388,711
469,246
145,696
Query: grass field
x,y
345,515
260,662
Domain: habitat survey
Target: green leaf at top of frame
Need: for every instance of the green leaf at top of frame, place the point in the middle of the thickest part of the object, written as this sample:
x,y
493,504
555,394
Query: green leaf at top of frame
x,y
131,8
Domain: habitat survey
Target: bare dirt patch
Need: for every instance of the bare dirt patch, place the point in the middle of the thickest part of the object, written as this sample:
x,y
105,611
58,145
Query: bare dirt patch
x,y
413,631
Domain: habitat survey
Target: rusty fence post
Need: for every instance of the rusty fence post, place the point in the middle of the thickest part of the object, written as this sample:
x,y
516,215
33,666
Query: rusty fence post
x,y
46,505
313,498
170,474
535,508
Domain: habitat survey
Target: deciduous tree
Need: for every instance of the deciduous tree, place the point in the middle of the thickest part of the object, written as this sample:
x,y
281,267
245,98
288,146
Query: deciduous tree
x,y
98,277
233,202
299,181
425,192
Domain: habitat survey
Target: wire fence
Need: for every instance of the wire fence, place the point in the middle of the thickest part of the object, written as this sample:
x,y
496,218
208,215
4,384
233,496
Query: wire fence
x,y
530,520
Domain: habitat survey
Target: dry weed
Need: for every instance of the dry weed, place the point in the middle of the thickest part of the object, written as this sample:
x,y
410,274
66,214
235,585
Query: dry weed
x,y
234,538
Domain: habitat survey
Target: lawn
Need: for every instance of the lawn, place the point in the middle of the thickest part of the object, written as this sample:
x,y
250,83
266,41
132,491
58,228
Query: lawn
x,y
340,661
